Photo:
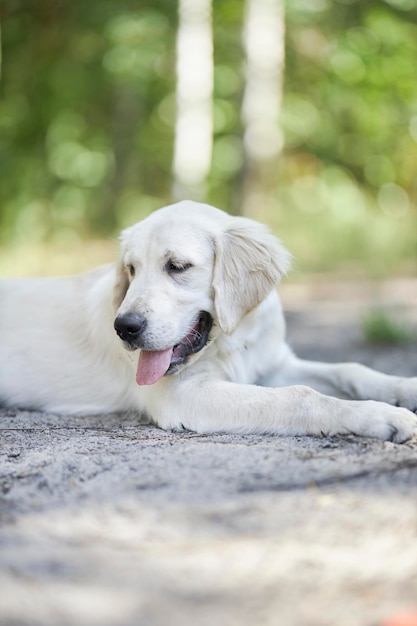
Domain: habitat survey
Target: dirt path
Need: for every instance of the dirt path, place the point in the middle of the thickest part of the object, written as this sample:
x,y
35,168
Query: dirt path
x,y
111,523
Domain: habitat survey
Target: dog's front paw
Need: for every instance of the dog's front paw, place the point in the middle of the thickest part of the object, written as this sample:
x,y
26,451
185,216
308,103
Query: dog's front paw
x,y
390,423
406,394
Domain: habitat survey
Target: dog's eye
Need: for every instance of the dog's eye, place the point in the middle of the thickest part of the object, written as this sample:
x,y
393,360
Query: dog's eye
x,y
176,267
130,270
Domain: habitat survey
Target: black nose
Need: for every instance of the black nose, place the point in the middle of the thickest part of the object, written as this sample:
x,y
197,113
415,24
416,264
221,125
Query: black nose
x,y
130,327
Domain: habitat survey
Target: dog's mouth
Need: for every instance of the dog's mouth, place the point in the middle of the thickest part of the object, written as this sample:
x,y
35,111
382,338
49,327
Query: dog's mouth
x,y
154,364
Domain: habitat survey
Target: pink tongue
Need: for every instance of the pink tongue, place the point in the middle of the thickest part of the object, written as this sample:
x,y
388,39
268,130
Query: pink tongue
x,y
152,365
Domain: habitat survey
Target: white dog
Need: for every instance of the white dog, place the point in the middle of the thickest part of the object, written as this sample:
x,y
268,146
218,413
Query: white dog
x,y
188,329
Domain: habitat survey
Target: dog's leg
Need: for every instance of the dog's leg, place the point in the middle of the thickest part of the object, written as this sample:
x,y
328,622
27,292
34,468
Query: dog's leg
x,y
208,407
348,380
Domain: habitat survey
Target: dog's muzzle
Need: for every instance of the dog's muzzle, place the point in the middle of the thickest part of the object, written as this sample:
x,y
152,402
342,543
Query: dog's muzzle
x,y
130,328
153,364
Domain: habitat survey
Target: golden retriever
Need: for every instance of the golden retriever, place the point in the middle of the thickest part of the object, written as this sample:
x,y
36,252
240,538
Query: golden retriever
x,y
188,329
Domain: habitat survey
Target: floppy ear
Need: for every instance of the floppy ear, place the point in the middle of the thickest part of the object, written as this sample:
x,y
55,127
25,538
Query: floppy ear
x,y
121,284
249,263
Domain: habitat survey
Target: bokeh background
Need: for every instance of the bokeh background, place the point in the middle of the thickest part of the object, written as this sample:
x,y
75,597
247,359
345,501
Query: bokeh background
x,y
91,132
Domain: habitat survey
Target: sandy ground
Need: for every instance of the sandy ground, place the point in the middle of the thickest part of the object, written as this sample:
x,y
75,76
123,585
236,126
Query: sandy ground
x,y
108,522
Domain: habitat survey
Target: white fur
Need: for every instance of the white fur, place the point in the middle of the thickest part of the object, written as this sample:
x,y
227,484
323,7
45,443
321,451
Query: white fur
x,y
60,353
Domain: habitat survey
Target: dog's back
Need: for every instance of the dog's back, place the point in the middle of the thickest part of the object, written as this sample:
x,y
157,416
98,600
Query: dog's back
x,y
57,348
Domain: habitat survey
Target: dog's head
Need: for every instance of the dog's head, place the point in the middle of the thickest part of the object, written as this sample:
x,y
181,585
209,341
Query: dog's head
x,y
184,270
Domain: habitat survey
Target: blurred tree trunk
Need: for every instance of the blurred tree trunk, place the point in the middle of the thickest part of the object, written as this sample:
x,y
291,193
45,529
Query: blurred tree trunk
x,y
194,126
264,48
125,115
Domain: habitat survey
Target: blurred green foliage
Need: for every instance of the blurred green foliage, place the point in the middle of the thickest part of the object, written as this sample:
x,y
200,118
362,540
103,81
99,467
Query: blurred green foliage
x,y
87,116
349,171
381,328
